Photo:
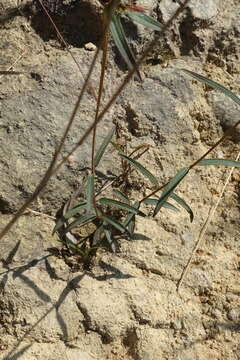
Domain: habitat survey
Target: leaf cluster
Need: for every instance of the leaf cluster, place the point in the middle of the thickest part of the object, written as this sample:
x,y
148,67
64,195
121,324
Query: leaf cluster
x,y
111,223
116,215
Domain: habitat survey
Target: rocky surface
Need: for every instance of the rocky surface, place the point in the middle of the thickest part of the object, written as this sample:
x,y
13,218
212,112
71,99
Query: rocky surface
x,y
126,305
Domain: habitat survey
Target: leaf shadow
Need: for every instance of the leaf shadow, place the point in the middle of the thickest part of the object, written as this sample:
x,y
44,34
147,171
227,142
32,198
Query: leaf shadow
x,y
139,236
18,272
115,273
71,285
78,21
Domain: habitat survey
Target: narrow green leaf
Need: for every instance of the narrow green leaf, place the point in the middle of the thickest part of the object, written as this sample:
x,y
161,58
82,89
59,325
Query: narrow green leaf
x,y
103,176
91,249
214,85
166,205
224,162
120,40
110,238
121,205
172,184
97,235
141,169
103,146
143,19
183,203
80,221
131,225
110,220
71,245
130,219
90,192
75,210
121,196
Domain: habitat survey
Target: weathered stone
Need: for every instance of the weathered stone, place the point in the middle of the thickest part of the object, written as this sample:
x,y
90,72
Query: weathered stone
x,y
226,111
126,305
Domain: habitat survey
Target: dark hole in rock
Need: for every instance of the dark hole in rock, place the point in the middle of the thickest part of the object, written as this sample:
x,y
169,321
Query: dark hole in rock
x,y
77,21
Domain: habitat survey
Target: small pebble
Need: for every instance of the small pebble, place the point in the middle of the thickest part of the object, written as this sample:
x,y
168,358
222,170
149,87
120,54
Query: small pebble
x,y
90,46
234,315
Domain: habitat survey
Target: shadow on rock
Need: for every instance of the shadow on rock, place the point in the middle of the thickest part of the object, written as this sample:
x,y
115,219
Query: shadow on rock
x,y
71,285
78,23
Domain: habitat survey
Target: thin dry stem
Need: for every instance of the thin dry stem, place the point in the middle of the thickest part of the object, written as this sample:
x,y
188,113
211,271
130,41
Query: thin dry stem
x,y
51,171
204,228
37,213
228,132
127,172
121,87
100,92
14,63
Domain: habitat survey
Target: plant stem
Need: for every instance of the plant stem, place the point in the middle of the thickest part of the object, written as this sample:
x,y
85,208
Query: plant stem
x,y
100,91
52,169
204,228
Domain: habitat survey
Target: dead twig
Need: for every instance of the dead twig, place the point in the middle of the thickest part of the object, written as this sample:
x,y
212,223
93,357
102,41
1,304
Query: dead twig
x,y
205,226
38,213
9,71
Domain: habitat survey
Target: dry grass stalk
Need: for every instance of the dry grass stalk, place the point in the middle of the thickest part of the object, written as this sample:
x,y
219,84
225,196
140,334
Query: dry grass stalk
x,y
204,228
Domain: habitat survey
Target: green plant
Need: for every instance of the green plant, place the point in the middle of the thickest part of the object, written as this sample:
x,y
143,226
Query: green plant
x,y
111,216
136,14
115,215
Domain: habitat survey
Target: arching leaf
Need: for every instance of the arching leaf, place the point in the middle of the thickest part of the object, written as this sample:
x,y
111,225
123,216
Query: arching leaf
x,y
141,169
214,85
121,205
103,146
223,162
169,188
143,19
120,40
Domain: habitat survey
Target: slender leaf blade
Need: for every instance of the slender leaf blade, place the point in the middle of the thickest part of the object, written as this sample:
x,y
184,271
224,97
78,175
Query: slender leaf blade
x,y
222,162
103,146
110,220
130,219
143,19
172,184
214,85
166,205
141,169
121,205
121,196
90,192
72,212
183,204
131,225
71,245
120,40
110,239
97,235
80,221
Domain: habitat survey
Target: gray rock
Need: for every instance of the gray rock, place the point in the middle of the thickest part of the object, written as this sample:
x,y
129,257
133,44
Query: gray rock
x,y
226,111
201,11
234,315
32,121
126,305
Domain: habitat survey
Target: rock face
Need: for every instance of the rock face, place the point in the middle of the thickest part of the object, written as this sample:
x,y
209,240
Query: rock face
x,y
126,306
